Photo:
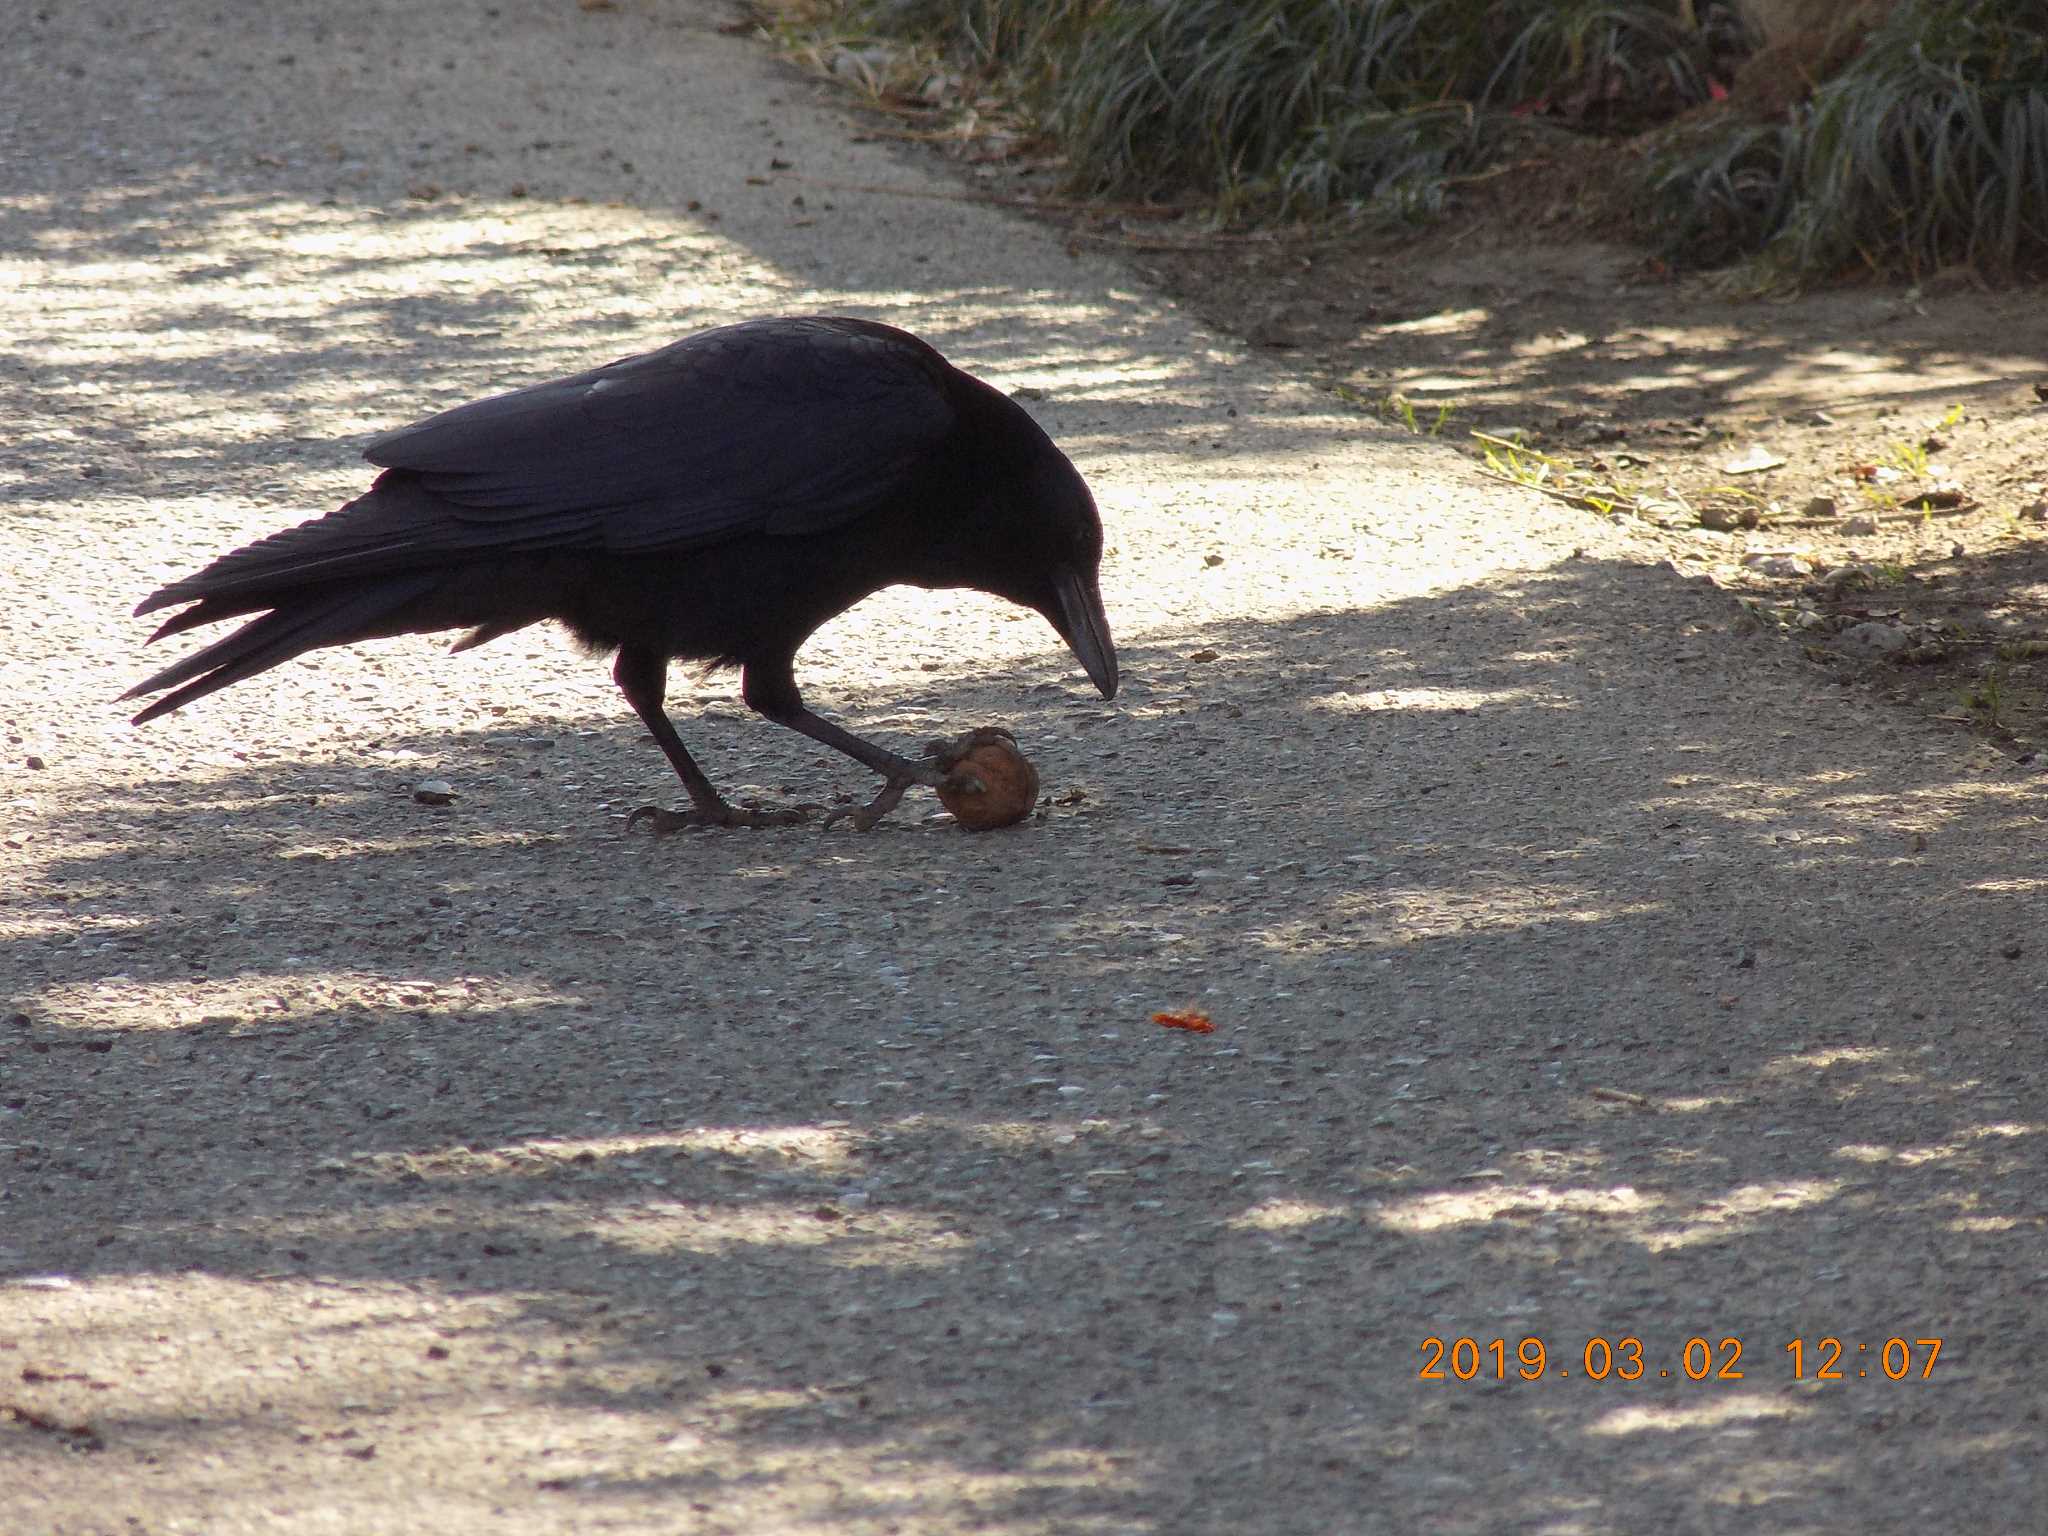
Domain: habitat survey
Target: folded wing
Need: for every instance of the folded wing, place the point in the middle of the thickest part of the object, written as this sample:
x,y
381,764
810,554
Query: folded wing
x,y
785,426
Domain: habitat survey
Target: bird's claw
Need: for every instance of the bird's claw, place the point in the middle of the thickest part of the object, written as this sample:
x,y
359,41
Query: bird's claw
x,y
864,817
665,821
947,751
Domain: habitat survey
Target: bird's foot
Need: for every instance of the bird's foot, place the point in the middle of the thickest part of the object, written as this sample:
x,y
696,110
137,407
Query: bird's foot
x,y
931,773
947,751
721,815
864,817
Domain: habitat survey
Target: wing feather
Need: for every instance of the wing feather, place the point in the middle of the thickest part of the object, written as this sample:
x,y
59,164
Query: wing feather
x,y
777,426
785,426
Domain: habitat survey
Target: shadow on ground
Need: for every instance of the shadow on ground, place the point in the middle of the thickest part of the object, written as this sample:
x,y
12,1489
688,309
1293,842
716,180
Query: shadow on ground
x,y
684,1141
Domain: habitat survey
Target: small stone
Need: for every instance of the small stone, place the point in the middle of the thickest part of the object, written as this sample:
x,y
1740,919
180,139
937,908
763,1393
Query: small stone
x,y
1777,565
1819,506
434,792
1861,523
1722,519
1753,460
1875,639
32,761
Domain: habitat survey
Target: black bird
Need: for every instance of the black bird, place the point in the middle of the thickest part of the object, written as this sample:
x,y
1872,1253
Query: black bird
x,y
716,500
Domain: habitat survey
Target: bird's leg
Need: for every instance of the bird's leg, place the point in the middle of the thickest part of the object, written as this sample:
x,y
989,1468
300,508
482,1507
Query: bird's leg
x,y
898,773
772,692
642,676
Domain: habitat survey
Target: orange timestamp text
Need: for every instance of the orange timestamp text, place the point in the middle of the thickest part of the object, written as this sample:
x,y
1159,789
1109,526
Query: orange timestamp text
x,y
1626,1358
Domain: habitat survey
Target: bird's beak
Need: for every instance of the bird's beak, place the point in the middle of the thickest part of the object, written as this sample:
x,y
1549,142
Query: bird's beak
x,y
1085,627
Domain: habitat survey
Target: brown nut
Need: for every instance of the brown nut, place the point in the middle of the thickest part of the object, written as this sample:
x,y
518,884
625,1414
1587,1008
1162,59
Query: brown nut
x,y
989,783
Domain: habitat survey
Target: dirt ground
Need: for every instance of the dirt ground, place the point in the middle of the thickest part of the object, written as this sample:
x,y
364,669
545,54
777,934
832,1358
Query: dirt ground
x,y
1590,971
1863,467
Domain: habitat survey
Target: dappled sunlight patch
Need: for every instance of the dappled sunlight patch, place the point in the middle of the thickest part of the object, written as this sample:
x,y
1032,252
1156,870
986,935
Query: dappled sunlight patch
x,y
1693,1104
1650,1219
1445,322
637,1219
830,1146
654,1159
258,1001
296,1337
1282,1215
1956,796
1455,700
1821,1060
252,280
816,1459
1814,821
1463,1208
1963,1144
1739,1210
1124,378
1717,1412
1502,908
1413,914
1546,1165
893,1239
1025,1135
309,1375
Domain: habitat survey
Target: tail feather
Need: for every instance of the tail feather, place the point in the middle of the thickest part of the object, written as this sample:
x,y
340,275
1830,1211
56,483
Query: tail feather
x,y
209,611
306,622
393,528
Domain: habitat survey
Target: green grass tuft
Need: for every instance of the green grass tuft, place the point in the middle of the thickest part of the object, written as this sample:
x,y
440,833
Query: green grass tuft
x,y
1305,107
1928,149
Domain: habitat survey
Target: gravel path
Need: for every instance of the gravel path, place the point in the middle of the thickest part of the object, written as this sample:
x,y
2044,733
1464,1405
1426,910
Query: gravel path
x,y
1580,969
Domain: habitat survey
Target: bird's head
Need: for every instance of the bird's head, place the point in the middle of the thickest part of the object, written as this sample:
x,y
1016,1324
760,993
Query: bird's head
x,y
1010,515
1044,551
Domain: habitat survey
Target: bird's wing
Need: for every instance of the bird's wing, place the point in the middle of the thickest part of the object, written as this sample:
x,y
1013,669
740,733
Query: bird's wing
x,y
787,426
776,426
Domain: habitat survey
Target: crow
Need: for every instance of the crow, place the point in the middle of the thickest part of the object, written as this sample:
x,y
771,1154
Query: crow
x,y
715,500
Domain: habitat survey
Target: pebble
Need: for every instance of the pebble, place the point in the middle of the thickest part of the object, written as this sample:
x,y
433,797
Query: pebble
x,y
1778,565
1753,460
1877,639
1722,519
